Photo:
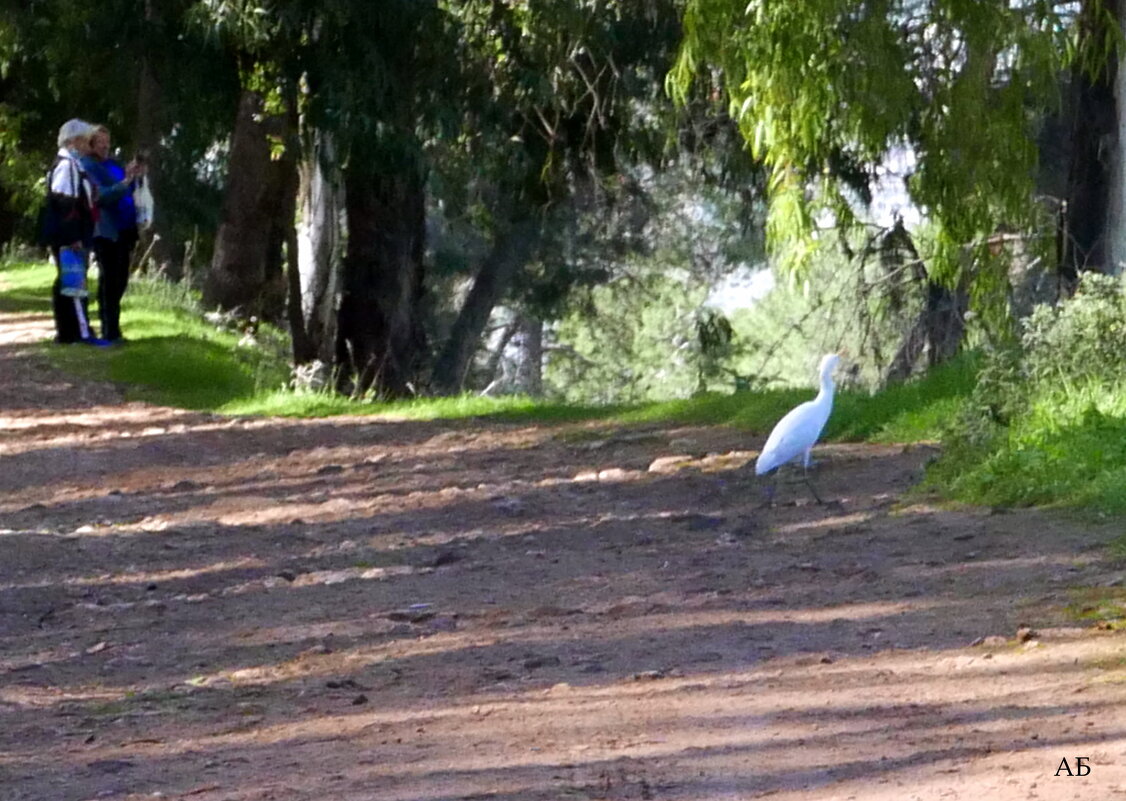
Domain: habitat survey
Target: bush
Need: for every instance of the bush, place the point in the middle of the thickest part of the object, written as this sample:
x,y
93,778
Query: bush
x,y
1046,423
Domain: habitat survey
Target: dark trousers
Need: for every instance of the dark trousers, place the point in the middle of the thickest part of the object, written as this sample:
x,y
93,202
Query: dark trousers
x,y
113,261
67,325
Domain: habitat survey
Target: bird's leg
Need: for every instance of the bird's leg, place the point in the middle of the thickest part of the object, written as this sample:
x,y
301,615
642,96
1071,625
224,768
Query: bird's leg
x,y
808,482
768,493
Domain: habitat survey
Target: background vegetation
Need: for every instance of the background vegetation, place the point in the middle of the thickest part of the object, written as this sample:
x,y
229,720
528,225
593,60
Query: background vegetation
x,y
475,207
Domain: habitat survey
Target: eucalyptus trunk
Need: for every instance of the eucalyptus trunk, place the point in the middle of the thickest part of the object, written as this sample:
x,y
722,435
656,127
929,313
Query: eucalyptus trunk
x,y
1112,144
529,373
315,284
246,269
380,339
510,252
940,325
155,242
1092,208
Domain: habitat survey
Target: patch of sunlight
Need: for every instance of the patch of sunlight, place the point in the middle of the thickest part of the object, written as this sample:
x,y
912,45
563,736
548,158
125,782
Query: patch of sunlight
x,y
319,665
144,577
961,565
828,522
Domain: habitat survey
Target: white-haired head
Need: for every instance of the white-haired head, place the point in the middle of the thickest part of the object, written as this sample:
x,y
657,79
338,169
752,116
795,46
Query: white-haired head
x,y
74,129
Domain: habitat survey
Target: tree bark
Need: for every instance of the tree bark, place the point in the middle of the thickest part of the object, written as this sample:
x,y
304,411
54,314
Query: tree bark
x,y
529,375
1083,241
510,252
380,339
8,217
937,331
246,272
315,285
156,241
1112,146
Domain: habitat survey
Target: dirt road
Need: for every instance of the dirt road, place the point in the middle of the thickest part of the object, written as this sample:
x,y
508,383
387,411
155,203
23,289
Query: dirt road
x,y
201,608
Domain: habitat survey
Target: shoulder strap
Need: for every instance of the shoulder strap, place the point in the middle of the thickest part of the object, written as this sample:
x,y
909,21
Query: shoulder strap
x,y
51,171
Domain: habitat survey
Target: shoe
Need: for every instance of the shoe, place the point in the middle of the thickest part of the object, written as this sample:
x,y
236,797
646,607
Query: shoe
x,y
97,343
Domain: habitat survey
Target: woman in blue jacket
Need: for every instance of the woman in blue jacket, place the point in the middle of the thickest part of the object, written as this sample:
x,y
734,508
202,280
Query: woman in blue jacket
x,y
115,232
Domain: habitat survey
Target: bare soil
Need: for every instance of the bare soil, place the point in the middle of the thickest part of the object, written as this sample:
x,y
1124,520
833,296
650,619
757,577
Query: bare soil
x,y
195,607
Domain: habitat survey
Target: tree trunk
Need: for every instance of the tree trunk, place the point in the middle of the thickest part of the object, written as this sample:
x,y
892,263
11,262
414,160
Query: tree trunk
x,y
945,322
937,331
380,339
1089,207
8,218
1111,142
510,252
156,242
246,270
529,375
315,286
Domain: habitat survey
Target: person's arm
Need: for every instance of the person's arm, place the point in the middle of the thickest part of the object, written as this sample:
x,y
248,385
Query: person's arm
x,y
109,190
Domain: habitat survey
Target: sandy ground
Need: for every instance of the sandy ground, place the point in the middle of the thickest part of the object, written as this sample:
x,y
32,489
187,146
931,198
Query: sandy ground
x,y
194,607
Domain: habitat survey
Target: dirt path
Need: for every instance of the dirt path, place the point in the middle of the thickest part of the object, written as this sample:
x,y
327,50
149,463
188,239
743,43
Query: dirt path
x,y
200,608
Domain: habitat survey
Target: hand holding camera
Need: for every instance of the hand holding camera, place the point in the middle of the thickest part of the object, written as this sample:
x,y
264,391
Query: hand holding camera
x,y
137,167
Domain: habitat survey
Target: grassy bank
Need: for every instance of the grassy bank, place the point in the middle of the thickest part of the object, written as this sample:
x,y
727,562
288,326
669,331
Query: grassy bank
x,y
175,357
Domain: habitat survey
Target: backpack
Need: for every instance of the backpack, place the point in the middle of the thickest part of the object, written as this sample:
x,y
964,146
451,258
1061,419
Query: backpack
x,y
64,220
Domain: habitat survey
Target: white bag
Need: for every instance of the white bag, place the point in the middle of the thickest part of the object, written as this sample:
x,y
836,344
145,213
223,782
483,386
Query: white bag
x,y
142,199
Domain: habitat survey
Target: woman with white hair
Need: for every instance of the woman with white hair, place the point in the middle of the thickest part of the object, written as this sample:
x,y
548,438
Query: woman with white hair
x,y
69,231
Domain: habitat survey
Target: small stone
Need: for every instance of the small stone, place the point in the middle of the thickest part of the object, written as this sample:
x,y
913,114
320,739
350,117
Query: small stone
x,y
670,464
330,469
611,474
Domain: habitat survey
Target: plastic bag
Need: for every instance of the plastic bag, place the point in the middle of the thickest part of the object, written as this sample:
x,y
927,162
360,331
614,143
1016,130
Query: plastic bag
x,y
142,199
72,273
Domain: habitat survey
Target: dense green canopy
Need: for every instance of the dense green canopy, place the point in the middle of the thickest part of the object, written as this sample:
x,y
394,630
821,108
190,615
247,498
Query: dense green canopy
x,y
823,89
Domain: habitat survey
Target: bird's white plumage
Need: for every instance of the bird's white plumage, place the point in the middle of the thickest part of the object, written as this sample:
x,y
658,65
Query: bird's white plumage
x,y
796,433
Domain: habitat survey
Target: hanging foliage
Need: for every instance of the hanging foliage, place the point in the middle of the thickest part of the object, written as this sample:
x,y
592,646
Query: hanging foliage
x,y
823,90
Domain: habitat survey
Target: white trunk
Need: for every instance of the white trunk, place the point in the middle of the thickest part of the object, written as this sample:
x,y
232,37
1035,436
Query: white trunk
x,y
319,243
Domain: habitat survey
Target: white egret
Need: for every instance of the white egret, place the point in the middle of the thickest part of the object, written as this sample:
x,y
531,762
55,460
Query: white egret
x,y
796,433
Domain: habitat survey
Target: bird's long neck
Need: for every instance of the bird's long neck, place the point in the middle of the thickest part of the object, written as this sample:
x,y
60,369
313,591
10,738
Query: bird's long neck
x,y
827,389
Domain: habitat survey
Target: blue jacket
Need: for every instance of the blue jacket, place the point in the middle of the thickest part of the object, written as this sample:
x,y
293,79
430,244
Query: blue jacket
x,y
115,197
